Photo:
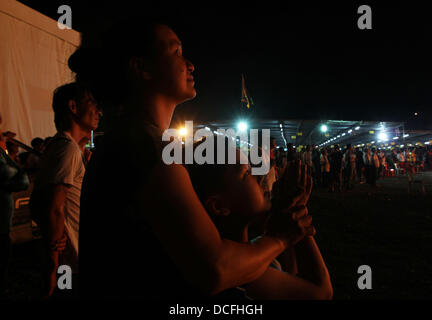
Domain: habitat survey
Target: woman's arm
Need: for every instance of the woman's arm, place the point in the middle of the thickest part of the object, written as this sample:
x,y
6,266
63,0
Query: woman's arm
x,y
312,282
288,261
191,239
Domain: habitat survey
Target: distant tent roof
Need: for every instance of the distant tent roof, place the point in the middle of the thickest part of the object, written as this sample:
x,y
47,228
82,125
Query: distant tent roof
x,y
304,132
33,60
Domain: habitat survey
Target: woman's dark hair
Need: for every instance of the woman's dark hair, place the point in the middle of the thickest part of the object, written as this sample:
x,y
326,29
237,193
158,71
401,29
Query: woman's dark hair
x,y
62,95
104,68
36,142
208,179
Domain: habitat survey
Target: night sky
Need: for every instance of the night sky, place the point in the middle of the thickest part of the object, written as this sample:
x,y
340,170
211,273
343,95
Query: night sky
x,y
305,61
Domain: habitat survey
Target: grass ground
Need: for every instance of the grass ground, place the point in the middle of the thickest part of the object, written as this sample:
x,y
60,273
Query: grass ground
x,y
384,227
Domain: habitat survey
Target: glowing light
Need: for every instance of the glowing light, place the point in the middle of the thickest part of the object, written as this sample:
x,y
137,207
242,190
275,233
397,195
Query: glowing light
x,y
324,128
350,130
406,135
242,126
395,138
183,131
343,134
383,136
356,128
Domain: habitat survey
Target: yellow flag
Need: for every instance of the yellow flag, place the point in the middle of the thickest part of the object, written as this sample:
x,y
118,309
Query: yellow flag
x,y
245,98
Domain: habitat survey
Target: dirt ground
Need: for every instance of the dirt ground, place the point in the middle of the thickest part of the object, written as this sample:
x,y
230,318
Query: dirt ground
x,y
384,227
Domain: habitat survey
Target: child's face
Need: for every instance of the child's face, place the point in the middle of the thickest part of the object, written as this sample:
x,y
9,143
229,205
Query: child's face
x,y
244,195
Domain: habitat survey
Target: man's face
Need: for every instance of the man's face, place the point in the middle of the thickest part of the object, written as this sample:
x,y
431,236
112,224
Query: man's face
x,y
89,113
172,73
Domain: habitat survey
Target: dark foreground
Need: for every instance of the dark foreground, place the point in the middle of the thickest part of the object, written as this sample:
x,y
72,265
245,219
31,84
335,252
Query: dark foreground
x,y
385,228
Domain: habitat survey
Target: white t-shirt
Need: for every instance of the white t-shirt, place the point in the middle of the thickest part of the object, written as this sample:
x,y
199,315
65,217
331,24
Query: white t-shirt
x,y
63,164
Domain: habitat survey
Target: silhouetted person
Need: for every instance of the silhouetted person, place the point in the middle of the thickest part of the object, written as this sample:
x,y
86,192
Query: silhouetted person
x,y
12,179
336,166
139,214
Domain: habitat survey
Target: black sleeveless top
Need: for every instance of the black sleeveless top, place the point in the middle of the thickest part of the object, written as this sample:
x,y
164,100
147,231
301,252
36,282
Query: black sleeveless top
x,y
119,255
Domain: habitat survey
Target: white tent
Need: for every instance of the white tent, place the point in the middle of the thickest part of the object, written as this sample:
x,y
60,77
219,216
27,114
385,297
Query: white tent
x,y
33,62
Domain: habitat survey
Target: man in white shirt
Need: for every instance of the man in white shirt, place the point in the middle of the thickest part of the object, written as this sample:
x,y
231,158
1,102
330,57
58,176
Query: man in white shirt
x,y
55,200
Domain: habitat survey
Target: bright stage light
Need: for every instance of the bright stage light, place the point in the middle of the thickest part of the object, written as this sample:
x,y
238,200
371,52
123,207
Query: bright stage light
x,y
356,128
324,128
183,131
242,126
350,130
406,135
383,136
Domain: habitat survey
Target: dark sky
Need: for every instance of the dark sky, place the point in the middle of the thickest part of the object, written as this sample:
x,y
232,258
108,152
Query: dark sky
x,y
300,61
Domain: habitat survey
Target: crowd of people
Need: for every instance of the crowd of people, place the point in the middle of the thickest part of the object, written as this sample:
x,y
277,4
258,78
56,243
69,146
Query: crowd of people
x,y
131,226
339,169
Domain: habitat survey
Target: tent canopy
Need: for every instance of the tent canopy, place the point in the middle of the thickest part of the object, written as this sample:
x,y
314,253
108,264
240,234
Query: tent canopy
x,y
308,132
33,60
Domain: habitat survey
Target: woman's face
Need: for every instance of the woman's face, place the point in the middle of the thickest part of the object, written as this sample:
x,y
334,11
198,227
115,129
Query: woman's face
x,y
172,73
244,195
